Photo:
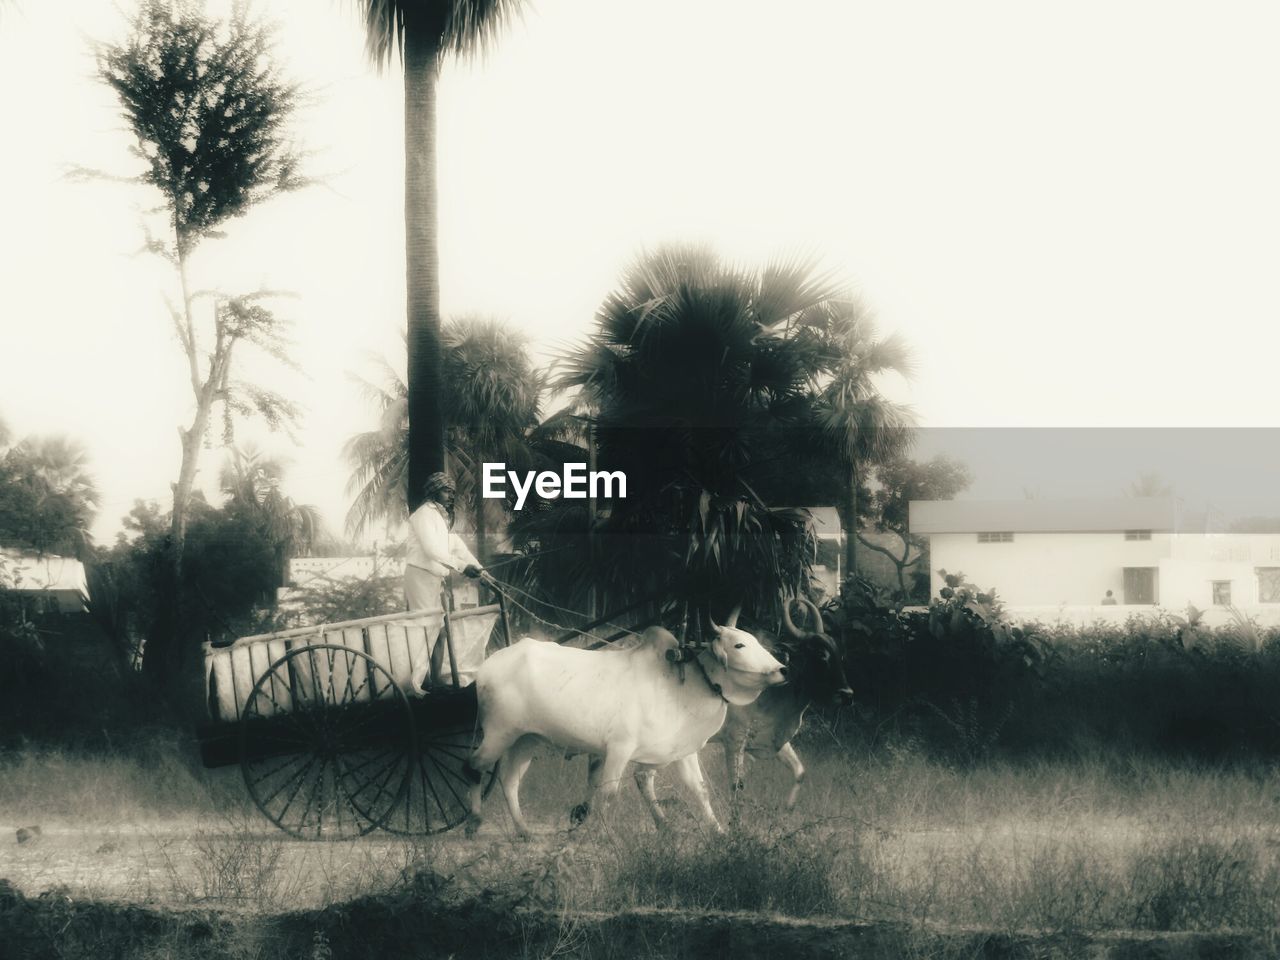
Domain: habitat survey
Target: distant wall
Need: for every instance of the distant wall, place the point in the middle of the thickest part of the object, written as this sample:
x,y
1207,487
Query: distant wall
x,y
1046,569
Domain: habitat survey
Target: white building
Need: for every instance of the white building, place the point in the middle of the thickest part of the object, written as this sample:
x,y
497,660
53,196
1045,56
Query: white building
x,y
1041,555
53,584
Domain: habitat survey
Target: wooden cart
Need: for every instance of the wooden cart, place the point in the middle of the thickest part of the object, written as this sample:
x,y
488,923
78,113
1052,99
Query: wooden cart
x,y
331,727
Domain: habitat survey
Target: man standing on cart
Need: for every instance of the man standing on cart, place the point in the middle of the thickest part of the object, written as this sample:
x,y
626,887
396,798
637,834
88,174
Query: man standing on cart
x,y
434,553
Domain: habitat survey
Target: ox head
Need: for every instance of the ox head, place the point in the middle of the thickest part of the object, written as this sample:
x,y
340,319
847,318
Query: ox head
x,y
817,668
749,664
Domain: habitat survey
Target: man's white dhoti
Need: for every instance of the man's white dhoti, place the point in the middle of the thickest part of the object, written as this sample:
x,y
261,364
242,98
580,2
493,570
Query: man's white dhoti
x,y
434,553
422,589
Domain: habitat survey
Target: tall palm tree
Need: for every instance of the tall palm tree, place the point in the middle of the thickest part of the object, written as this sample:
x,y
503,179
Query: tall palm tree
x,y
421,32
693,366
379,458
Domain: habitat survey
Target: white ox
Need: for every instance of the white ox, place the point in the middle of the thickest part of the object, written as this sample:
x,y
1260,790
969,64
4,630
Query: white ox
x,y
623,707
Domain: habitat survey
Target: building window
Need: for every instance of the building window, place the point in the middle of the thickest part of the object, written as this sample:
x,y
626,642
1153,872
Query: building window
x,y
1222,593
1141,585
1137,534
1268,584
1005,537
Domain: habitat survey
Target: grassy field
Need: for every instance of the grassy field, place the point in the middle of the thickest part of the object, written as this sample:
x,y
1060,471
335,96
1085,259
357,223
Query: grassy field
x,y
1099,843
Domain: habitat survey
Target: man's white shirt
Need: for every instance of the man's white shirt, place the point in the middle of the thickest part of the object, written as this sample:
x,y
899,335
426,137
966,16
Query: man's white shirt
x,y
432,547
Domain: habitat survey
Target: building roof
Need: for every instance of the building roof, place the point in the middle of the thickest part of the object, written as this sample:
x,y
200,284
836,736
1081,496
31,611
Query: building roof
x,y
1157,514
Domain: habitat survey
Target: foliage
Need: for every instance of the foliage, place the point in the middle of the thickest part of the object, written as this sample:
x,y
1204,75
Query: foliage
x,y
490,407
19,637
229,570
457,28
964,680
325,600
47,496
899,481
206,105
209,112
704,384
252,483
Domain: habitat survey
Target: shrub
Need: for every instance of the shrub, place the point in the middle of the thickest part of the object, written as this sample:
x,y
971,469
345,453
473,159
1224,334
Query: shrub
x,y
812,871
967,682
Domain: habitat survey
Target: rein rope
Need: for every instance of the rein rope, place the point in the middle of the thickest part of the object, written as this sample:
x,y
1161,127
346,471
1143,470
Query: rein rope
x,y
508,589
715,687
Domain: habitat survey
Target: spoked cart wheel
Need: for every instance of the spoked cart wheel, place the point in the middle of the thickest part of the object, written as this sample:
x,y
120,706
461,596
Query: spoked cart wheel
x,y
328,743
436,794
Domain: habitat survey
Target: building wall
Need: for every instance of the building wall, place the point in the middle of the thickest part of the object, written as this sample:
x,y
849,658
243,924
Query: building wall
x,y
1045,569
1076,569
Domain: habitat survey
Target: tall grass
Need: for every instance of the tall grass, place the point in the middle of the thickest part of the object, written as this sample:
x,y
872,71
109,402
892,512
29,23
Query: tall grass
x,y
1102,841
151,778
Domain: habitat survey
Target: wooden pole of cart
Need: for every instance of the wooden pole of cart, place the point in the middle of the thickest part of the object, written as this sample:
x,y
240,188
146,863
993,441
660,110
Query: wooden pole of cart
x,y
446,601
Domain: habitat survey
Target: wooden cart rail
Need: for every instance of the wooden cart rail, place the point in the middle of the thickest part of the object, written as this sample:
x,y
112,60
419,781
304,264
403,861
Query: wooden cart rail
x,y
362,622
401,643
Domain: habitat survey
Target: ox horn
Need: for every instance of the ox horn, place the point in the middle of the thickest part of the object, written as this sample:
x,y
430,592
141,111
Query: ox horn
x,y
730,621
817,614
787,622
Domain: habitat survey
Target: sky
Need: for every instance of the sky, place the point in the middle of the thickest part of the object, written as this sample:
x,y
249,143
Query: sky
x,y
1069,211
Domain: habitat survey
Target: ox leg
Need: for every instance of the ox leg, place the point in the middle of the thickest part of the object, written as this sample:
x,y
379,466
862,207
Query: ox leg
x,y
735,760
791,759
510,772
645,777
690,772
608,777
490,751
579,813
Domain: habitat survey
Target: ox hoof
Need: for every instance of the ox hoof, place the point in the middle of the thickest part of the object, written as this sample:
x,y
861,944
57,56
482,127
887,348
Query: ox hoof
x,y
473,826
578,815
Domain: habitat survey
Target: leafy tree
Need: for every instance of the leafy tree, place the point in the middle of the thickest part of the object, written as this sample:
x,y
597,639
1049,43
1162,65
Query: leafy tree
x,y
700,379
48,498
422,32
230,572
490,407
252,483
900,481
494,396
209,110
379,458
856,424
334,601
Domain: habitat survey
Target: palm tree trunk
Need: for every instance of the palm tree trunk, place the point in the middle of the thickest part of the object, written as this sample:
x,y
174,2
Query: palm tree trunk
x,y
851,531
422,260
481,553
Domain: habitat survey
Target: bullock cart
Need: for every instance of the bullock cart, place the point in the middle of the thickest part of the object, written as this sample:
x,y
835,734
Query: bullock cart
x,y
332,729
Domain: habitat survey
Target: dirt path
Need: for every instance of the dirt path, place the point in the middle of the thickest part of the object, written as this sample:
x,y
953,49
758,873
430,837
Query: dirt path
x,y
190,861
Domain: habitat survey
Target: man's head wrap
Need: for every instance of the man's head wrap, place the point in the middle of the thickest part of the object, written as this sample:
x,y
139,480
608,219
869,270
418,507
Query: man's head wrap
x,y
437,486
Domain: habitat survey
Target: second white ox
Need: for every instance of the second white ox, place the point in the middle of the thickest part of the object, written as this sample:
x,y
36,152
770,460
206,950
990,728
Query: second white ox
x,y
624,707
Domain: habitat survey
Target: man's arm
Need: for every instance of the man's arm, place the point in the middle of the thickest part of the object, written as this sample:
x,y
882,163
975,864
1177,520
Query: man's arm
x,y
462,557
